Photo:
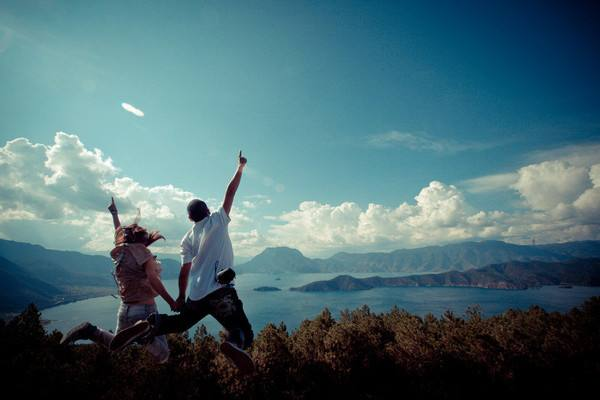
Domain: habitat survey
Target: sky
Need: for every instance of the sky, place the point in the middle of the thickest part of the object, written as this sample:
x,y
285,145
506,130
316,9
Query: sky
x,y
368,125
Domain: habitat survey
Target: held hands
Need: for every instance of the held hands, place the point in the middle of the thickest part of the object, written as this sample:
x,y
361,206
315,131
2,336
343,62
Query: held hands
x,y
112,207
173,305
179,303
176,305
241,161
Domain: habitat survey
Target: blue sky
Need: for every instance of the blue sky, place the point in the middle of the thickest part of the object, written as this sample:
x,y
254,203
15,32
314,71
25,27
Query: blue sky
x,y
332,102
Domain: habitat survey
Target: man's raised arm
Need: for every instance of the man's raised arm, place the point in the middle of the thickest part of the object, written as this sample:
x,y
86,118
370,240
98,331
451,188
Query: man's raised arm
x,y
115,214
233,185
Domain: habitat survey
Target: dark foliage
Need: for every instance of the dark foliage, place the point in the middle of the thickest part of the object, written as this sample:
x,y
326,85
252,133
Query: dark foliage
x,y
362,355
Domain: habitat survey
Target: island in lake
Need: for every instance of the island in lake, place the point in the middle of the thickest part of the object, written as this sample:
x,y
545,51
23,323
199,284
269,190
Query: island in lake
x,y
267,289
510,275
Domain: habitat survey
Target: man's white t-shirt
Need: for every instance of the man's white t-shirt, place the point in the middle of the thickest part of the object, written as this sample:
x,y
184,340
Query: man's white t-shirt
x,y
208,247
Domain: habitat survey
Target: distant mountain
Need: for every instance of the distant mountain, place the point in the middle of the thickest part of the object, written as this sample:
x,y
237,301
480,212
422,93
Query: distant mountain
x,y
32,273
58,267
280,260
452,257
583,249
68,268
511,275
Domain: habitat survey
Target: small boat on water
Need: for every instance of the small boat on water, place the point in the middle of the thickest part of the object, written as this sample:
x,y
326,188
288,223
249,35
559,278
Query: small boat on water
x,y
565,286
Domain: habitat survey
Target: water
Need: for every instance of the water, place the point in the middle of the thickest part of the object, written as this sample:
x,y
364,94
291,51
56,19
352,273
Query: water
x,y
293,307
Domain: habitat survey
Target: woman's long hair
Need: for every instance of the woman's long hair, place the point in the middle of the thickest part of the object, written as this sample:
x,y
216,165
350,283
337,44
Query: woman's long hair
x,y
136,234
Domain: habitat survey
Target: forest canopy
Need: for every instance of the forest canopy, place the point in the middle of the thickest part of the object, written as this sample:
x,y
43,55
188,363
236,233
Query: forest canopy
x,y
359,355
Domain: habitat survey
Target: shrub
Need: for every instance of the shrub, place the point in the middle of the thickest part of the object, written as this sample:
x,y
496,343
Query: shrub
x,y
361,355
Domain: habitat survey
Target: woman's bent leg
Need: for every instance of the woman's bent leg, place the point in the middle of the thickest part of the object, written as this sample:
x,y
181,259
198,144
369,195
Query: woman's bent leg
x,y
159,348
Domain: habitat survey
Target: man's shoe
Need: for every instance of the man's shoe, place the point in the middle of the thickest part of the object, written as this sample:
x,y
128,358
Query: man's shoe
x,y
240,358
82,331
128,335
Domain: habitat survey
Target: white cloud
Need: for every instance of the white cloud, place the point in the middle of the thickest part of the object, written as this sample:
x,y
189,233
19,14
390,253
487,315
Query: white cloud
x,y
255,201
36,178
561,206
424,142
582,154
595,174
248,204
439,205
550,183
57,194
135,111
491,183
439,215
248,243
69,186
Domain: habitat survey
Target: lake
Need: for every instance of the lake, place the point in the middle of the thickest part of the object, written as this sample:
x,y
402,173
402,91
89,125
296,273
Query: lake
x,y
293,307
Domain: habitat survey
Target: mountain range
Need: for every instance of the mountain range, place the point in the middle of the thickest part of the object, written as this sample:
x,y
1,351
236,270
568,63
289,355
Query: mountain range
x,y
431,259
32,273
18,287
510,275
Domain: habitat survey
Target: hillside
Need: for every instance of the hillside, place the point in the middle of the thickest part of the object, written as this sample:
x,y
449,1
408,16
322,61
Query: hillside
x,y
280,260
69,268
32,273
451,257
511,275
19,288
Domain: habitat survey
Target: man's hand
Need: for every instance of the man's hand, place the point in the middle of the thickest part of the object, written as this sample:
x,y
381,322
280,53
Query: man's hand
x,y
233,185
241,160
179,303
112,207
115,214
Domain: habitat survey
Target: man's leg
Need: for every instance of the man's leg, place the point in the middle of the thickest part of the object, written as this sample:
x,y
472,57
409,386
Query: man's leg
x,y
226,307
193,311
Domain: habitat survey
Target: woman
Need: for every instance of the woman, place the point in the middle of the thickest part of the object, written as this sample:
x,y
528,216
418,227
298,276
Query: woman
x,y
137,274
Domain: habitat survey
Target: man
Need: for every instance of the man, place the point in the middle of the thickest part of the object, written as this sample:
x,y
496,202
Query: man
x,y
205,251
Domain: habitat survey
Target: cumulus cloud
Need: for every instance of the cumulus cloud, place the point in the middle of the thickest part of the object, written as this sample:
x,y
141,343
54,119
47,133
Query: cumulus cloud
x,y
440,214
561,203
36,178
68,186
135,111
562,158
57,194
550,183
